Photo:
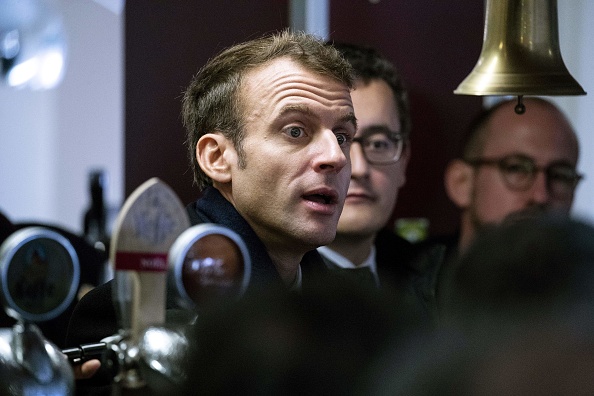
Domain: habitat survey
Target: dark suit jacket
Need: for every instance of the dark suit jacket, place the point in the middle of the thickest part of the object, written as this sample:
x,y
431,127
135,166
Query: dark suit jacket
x,y
433,265
396,268
94,317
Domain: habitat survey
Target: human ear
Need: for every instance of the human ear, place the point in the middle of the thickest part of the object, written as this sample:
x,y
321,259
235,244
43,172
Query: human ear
x,y
212,153
458,180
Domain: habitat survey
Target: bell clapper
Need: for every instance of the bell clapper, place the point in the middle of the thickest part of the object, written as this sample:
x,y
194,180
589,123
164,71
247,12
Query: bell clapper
x,y
520,107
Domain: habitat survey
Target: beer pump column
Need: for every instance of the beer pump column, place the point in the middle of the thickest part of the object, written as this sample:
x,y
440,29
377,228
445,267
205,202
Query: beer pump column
x,y
148,224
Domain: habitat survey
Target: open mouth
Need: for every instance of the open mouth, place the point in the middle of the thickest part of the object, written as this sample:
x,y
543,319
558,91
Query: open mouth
x,y
325,199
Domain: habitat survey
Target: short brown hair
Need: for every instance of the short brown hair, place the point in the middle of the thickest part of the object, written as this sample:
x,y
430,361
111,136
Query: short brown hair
x,y
212,103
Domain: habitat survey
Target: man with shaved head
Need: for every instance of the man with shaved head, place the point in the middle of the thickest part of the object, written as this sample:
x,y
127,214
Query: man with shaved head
x,y
513,165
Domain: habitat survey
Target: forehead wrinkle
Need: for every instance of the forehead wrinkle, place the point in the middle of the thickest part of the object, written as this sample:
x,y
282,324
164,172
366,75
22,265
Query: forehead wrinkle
x,y
305,109
317,88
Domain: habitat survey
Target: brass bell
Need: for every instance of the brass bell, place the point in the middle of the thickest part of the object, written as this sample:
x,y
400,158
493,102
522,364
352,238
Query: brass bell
x,y
520,54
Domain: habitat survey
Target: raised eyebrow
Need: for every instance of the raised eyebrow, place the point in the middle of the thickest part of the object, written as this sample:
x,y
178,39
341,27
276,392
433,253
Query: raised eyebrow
x,y
299,108
349,118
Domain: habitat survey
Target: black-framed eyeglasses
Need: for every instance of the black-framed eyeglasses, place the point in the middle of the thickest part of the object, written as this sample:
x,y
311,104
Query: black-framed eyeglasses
x,y
381,146
519,173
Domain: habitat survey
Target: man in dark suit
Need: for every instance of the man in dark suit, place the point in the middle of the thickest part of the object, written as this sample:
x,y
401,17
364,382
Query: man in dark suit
x,y
270,123
363,246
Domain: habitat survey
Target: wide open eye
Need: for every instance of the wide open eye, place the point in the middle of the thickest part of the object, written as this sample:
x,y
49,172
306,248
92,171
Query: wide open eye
x,y
342,139
295,131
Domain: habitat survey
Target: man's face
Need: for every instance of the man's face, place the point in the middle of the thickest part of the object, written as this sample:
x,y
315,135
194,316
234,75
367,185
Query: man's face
x,y
373,189
541,134
298,130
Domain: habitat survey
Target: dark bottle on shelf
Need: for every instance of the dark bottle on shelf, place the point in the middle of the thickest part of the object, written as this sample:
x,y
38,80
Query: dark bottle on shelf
x,y
95,227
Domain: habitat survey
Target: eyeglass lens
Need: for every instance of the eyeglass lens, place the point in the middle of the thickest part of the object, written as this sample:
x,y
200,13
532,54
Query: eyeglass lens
x,y
380,148
520,172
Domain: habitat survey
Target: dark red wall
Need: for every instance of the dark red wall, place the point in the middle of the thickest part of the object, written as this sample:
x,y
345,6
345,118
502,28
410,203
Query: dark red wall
x,y
166,43
434,43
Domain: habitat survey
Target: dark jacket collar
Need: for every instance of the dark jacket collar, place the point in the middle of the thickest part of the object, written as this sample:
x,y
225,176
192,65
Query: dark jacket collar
x,y
212,207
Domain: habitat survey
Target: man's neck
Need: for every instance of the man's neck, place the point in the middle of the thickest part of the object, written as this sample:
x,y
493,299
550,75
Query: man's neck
x,y
287,265
354,248
286,261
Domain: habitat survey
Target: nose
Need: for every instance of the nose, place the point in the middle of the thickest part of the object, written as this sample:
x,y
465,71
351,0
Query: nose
x,y
359,165
540,193
330,156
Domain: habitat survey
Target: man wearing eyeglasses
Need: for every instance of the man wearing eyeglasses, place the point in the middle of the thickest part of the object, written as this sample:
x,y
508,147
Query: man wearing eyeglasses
x,y
514,165
363,248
